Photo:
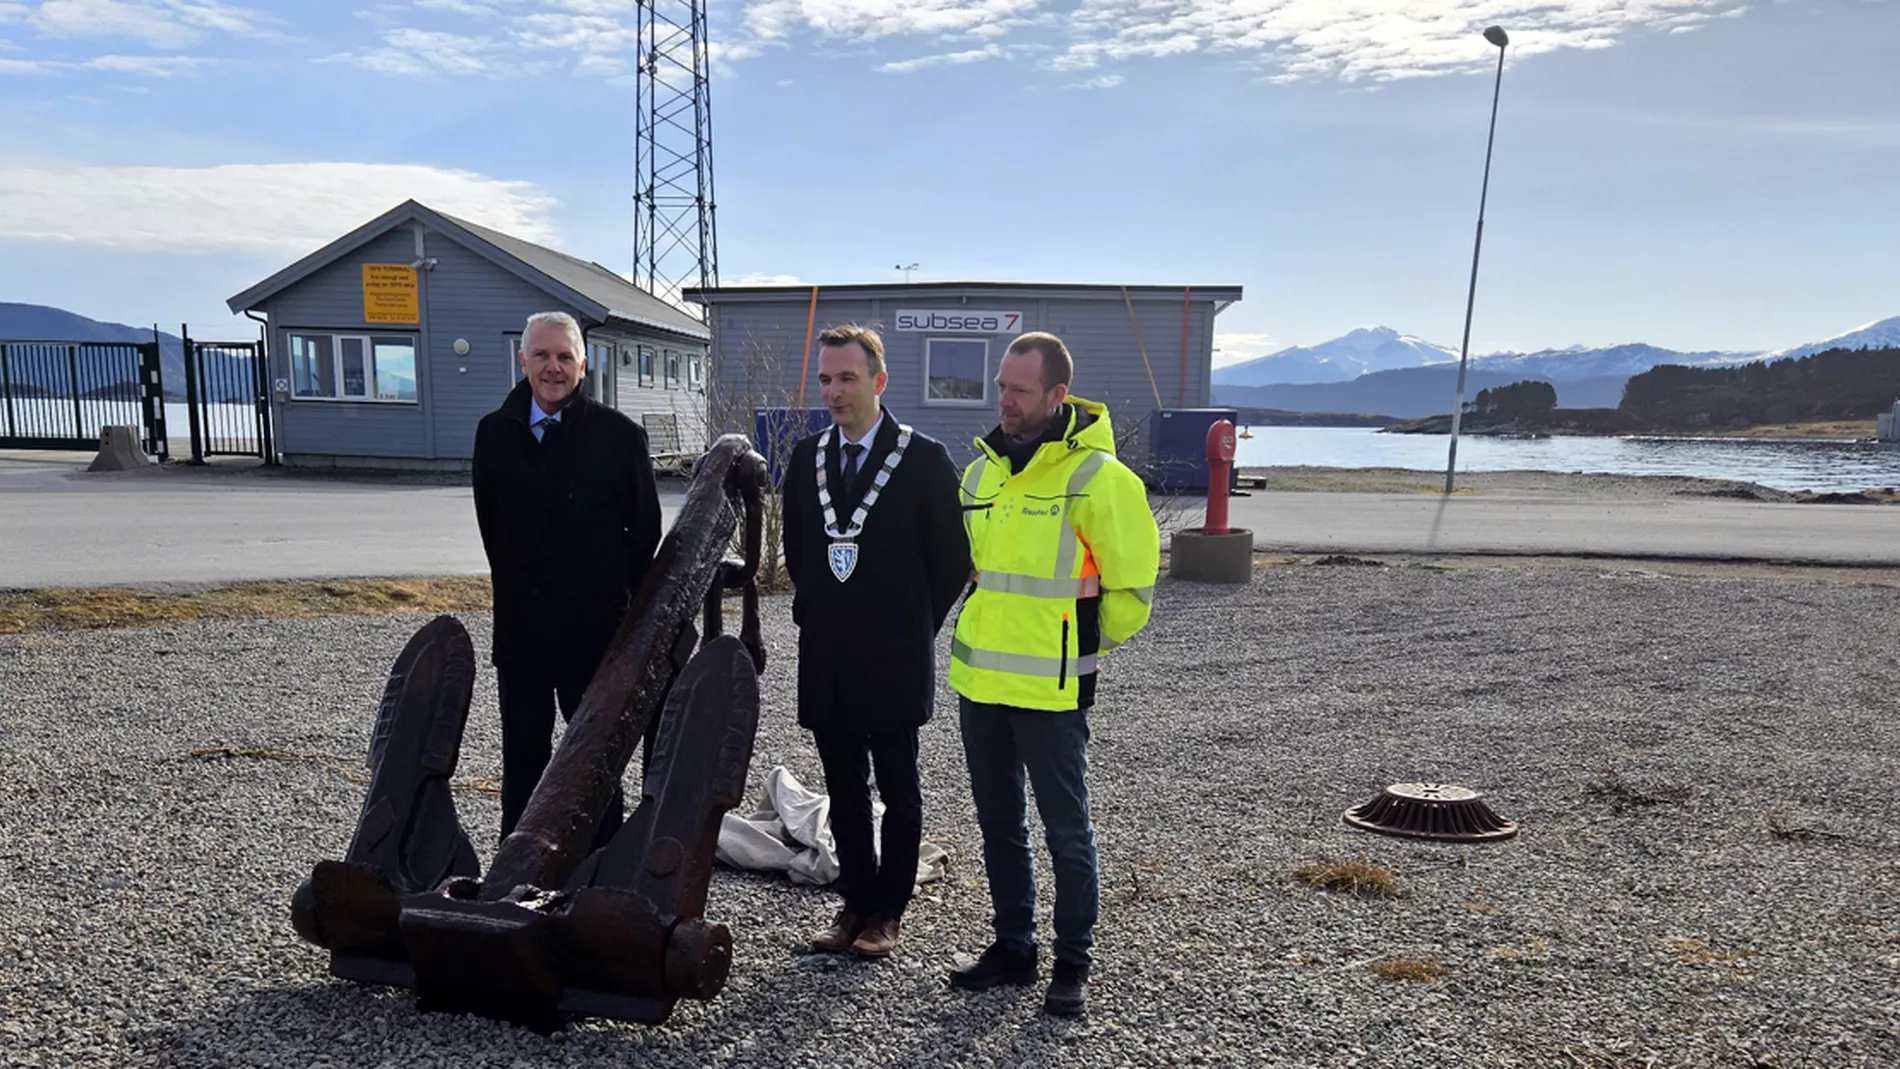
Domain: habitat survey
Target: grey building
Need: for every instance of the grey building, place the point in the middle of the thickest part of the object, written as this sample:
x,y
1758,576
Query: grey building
x,y
389,344
1136,348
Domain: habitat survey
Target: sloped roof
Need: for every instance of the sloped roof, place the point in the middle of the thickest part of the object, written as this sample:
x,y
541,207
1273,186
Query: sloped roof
x,y
600,294
1222,296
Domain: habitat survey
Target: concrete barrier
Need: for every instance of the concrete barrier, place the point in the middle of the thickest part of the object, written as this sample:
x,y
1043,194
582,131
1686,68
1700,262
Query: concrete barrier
x,y
119,450
1212,558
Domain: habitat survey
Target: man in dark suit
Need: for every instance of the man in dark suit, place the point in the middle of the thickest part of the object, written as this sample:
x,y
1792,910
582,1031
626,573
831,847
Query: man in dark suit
x,y
876,549
570,519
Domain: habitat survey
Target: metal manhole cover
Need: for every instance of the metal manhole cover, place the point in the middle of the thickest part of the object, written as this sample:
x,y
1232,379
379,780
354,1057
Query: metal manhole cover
x,y
1442,811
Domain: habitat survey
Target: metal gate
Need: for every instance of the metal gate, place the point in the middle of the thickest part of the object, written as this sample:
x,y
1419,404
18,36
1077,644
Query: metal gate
x,y
227,397
58,395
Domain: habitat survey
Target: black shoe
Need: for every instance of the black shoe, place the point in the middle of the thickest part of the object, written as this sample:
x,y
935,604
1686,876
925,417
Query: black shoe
x,y
1068,991
999,966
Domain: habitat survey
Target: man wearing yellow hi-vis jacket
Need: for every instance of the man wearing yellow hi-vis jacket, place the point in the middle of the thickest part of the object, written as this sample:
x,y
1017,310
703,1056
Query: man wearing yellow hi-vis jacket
x,y
1066,551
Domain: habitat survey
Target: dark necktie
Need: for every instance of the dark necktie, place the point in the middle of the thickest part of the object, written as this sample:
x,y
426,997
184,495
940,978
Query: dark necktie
x,y
546,424
853,452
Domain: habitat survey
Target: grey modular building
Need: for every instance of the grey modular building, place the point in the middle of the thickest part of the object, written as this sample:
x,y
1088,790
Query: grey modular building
x,y
389,344
1136,348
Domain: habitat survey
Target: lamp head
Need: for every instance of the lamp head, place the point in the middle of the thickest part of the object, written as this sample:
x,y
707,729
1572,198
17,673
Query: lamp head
x,y
1497,36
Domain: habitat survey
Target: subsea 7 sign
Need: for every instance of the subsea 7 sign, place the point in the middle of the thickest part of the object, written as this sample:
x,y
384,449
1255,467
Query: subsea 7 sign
x,y
958,321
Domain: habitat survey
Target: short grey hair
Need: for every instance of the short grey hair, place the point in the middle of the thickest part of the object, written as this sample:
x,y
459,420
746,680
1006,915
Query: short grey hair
x,y
565,322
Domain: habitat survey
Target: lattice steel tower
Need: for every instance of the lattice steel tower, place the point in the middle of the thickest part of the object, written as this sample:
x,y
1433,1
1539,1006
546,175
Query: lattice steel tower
x,y
675,241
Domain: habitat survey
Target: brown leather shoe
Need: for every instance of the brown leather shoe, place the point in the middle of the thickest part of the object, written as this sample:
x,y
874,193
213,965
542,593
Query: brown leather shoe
x,y
879,937
837,938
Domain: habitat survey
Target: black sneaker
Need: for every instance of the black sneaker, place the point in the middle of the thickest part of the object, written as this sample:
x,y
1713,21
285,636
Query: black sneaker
x,y
999,966
1068,991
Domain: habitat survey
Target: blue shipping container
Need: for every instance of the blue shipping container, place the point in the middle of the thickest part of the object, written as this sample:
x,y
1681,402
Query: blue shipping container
x,y
1177,447
776,430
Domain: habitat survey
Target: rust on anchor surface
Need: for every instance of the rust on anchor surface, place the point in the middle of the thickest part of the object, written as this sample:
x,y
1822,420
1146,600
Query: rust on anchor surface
x,y
552,932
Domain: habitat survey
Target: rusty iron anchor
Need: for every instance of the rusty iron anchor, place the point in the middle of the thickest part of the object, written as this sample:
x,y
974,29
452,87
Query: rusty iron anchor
x,y
552,932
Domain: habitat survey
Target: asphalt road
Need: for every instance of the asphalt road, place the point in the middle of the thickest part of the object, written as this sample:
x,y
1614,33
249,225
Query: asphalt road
x,y
60,526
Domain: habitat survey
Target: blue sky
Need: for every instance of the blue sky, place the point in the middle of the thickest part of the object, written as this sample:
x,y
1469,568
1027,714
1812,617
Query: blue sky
x,y
1698,174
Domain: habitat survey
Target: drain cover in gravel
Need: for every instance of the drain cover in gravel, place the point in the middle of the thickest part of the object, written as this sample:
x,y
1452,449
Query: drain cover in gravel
x,y
1443,811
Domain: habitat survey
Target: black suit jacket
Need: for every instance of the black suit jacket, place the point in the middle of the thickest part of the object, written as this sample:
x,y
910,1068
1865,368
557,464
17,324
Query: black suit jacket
x,y
866,646
570,524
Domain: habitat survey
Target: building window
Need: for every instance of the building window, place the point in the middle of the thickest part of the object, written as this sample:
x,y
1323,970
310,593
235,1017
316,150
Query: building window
x,y
956,371
672,369
598,383
353,367
695,371
646,366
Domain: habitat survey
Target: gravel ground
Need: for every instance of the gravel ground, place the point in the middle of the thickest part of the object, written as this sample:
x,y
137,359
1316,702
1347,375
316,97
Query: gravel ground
x,y
1702,767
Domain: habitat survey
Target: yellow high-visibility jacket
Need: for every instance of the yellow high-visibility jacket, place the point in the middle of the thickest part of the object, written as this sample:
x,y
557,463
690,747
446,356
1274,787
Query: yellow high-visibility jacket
x,y
1066,552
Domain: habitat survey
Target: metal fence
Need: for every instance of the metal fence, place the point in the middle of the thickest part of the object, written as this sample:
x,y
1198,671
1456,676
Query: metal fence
x,y
59,395
227,393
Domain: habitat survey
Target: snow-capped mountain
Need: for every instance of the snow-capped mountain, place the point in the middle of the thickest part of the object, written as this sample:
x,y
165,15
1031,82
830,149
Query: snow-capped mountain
x,y
1884,334
1371,350
1364,350
1577,362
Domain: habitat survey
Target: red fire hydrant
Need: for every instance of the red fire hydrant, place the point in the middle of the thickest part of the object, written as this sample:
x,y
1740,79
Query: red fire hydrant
x,y
1220,465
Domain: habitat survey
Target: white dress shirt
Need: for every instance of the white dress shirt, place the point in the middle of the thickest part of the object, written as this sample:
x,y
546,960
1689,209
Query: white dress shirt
x,y
866,440
535,416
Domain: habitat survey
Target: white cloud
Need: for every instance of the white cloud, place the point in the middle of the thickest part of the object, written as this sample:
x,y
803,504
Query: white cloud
x,y
870,19
974,55
158,23
1364,39
1347,40
148,66
143,66
413,53
460,7
763,279
1236,347
279,209
1102,81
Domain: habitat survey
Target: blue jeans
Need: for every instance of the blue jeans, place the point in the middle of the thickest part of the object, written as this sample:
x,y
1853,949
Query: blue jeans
x,y
1000,744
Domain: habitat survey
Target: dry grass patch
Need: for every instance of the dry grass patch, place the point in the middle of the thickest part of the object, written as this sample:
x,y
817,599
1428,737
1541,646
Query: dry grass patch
x,y
1838,428
1350,877
1417,970
1538,950
80,610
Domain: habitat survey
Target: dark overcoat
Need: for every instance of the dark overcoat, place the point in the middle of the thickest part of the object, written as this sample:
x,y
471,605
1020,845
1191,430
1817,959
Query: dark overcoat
x,y
570,524
866,645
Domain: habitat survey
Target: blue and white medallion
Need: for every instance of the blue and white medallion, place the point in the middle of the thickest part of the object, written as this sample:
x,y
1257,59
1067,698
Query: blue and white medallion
x,y
842,554
844,559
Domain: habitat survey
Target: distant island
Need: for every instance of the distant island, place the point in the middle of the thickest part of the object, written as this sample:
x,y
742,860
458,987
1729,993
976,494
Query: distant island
x,y
1278,417
1833,394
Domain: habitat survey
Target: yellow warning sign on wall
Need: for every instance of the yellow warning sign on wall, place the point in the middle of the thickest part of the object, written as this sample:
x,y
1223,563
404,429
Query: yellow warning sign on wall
x,y
389,294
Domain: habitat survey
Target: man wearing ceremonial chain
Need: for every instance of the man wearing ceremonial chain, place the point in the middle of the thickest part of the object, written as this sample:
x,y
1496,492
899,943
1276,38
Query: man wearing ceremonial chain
x,y
878,554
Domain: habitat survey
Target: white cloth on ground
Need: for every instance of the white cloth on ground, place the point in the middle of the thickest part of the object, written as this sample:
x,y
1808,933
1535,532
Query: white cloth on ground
x,y
789,831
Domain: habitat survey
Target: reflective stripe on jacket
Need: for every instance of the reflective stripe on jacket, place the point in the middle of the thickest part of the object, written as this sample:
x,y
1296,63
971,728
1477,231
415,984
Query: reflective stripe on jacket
x,y
1066,552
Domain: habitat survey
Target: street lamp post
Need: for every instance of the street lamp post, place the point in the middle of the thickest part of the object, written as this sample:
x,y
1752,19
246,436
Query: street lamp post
x,y
1498,37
